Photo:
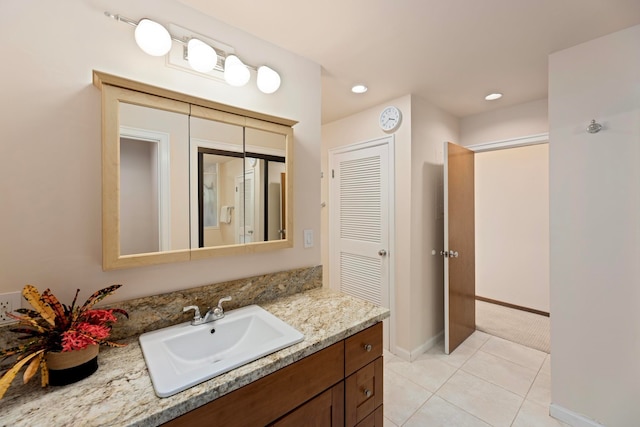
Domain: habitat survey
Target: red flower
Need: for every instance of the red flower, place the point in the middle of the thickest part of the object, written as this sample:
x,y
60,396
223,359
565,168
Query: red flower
x,y
74,340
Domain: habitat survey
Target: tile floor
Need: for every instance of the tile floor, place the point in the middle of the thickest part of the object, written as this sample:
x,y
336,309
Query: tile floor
x,y
487,381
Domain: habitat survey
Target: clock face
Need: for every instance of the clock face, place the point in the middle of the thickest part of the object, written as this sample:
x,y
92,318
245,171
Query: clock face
x,y
390,119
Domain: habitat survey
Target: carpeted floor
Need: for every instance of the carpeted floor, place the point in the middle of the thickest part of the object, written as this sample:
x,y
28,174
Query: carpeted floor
x,y
531,330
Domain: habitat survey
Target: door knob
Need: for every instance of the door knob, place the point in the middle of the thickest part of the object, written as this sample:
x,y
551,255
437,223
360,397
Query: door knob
x,y
382,252
449,254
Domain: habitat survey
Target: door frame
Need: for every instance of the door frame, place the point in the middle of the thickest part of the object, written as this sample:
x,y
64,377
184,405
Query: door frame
x,y
161,140
542,138
333,215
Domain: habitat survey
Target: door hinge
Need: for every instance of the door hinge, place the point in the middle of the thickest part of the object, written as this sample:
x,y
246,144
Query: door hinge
x,y
333,173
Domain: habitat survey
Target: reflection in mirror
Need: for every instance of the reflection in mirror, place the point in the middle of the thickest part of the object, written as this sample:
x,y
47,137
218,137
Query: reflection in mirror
x,y
153,159
216,194
265,168
216,148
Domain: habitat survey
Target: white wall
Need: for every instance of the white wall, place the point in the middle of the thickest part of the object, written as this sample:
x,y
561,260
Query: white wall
x,y
361,127
431,128
595,229
50,149
419,301
517,121
512,225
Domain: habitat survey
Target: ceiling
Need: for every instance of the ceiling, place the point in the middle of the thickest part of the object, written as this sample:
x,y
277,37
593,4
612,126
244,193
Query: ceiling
x,y
450,52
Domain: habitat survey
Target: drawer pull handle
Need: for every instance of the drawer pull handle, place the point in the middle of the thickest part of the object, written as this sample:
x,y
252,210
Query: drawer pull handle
x,y
367,392
367,347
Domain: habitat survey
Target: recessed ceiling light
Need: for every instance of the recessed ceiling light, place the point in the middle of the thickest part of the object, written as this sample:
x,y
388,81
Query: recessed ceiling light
x,y
359,89
493,96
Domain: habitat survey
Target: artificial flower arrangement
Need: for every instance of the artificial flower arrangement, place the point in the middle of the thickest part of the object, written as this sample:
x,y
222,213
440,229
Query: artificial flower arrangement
x,y
56,327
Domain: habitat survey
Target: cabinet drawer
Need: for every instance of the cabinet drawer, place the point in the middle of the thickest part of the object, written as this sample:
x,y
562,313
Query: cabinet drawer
x,y
362,348
373,420
363,392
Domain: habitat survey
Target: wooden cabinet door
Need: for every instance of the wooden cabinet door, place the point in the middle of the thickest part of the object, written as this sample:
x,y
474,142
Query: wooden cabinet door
x,y
325,410
363,392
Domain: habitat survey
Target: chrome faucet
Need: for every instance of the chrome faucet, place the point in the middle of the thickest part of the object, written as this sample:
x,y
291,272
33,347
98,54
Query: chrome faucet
x,y
211,315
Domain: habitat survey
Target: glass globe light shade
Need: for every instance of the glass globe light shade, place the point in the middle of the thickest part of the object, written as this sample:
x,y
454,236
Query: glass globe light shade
x,y
152,38
235,72
268,80
201,56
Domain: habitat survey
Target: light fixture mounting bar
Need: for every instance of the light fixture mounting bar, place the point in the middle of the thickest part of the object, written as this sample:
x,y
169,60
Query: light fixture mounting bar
x,y
156,40
183,41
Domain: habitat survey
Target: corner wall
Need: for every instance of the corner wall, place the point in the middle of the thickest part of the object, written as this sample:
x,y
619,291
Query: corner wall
x,y
418,308
431,128
595,231
516,121
50,154
362,127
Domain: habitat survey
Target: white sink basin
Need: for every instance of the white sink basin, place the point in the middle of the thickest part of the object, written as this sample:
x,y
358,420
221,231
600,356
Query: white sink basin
x,y
181,356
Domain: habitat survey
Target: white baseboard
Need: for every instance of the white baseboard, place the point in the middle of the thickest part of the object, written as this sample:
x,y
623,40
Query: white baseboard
x,y
572,418
411,355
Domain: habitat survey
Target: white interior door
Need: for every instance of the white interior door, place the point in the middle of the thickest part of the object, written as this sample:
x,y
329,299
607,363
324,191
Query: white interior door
x,y
360,221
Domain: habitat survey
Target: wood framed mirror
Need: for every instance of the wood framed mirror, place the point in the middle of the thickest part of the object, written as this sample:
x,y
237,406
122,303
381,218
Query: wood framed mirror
x,y
186,178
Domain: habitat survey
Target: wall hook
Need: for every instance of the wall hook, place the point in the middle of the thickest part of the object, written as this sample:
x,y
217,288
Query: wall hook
x,y
594,127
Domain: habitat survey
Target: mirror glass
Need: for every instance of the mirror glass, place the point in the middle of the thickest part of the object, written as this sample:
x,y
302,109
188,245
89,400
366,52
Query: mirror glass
x,y
154,173
217,157
265,180
186,178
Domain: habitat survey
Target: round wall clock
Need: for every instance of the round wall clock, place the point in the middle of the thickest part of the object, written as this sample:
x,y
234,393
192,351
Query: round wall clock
x,y
390,119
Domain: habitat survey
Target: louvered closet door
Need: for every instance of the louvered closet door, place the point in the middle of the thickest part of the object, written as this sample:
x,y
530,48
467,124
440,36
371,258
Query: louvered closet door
x,y
360,223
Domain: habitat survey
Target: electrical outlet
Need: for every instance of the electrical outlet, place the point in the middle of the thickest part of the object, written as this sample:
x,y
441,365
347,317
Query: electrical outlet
x,y
9,302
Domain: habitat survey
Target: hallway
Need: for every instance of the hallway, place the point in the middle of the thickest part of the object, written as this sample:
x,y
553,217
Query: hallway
x,y
487,381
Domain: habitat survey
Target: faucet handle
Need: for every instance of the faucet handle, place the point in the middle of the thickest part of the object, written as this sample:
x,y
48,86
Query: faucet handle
x,y
219,309
225,299
196,316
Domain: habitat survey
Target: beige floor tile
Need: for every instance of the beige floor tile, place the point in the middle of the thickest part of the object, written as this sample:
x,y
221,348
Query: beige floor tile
x,y
546,366
533,415
438,412
482,399
501,372
401,397
540,392
429,373
516,353
456,359
389,357
477,339
389,423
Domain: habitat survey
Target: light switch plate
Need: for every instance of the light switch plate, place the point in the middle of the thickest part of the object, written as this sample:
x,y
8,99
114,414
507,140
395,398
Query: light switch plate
x,y
308,238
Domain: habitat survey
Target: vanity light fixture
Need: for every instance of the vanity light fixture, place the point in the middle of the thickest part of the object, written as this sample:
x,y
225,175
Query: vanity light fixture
x,y
359,89
201,56
235,72
268,80
154,39
493,96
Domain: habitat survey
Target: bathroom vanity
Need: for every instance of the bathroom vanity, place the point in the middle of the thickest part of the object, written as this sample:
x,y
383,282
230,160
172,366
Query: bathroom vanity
x,y
338,386
332,377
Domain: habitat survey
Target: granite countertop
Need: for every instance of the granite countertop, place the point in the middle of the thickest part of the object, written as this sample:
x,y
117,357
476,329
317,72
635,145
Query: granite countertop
x,y
120,393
